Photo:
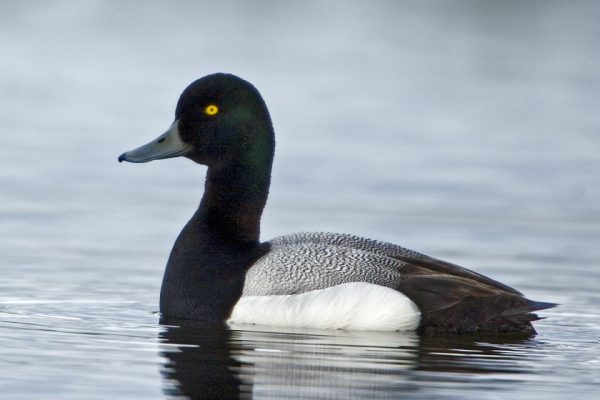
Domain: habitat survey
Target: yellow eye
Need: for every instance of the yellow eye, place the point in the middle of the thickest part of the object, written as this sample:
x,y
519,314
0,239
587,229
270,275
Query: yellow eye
x,y
211,110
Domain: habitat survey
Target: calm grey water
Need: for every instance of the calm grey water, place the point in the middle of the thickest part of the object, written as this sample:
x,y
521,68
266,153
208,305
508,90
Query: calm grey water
x,y
467,130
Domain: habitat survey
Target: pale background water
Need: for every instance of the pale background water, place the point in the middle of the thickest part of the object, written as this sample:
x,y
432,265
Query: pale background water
x,y
467,130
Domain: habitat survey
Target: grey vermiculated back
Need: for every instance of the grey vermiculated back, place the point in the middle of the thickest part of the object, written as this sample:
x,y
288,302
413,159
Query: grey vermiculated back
x,y
303,262
347,240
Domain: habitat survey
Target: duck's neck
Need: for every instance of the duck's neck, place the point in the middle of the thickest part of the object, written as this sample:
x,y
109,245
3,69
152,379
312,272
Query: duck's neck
x,y
205,273
235,195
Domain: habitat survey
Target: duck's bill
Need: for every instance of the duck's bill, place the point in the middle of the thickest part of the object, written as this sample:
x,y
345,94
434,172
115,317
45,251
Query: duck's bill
x,y
167,145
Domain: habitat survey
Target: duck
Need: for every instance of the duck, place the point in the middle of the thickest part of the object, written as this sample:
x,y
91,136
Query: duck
x,y
219,272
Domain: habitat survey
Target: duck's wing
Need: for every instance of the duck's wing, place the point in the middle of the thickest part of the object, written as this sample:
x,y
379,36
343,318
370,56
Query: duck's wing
x,y
293,266
421,264
451,298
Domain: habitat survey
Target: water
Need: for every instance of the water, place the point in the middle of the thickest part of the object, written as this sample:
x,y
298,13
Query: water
x,y
465,130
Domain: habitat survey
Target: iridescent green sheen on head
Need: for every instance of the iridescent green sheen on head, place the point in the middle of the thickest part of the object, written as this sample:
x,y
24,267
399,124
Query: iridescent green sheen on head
x,y
226,120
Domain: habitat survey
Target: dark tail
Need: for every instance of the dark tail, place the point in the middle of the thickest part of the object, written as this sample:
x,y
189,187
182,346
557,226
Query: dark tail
x,y
499,314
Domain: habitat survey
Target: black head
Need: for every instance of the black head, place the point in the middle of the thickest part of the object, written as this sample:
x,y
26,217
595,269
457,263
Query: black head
x,y
222,115
219,119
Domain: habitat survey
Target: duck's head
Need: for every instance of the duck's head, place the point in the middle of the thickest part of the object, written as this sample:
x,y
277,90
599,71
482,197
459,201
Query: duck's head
x,y
219,118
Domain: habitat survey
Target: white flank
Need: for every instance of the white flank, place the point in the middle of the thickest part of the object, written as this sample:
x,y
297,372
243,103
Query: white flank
x,y
356,305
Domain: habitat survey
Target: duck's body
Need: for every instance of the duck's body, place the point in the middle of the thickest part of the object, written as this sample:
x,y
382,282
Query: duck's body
x,y
218,270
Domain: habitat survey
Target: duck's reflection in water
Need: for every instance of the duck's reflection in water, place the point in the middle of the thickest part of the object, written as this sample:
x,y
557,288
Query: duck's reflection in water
x,y
198,362
208,362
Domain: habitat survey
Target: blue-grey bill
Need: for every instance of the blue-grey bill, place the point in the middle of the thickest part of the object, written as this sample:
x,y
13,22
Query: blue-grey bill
x,y
167,145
